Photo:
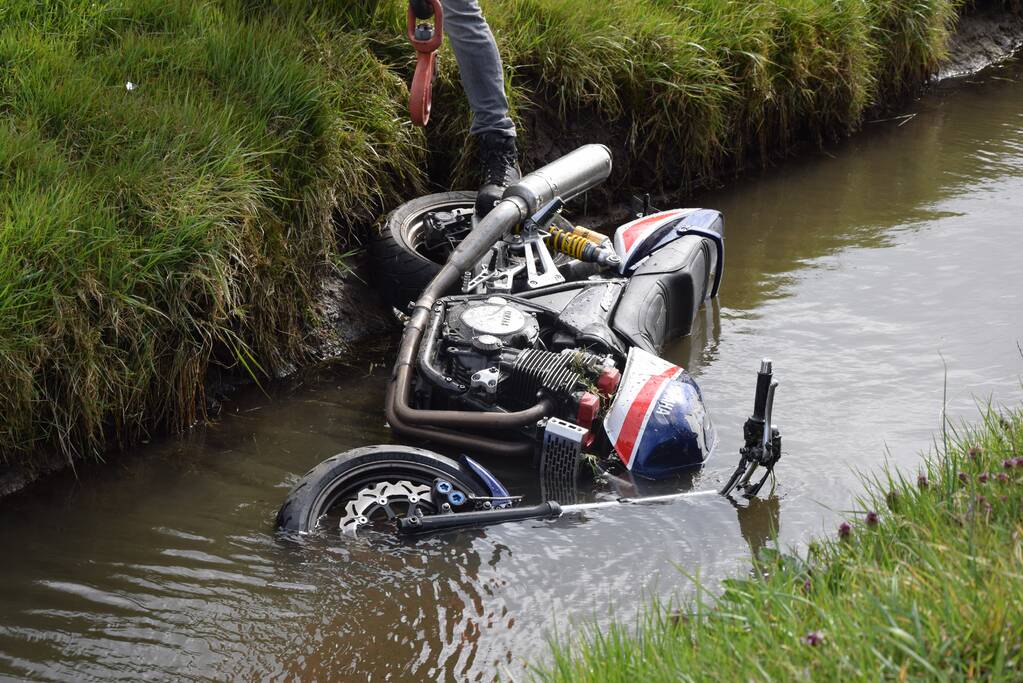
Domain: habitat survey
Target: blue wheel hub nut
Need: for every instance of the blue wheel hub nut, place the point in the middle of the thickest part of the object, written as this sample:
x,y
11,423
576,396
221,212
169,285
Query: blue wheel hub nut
x,y
443,487
456,498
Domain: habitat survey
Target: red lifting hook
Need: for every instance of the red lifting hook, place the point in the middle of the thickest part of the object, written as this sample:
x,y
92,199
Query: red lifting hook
x,y
426,40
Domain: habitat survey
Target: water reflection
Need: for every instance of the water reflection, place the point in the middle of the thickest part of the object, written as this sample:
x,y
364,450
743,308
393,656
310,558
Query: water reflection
x,y
759,521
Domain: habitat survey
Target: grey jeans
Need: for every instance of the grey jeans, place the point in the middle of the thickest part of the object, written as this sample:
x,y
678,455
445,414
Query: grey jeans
x,y
479,64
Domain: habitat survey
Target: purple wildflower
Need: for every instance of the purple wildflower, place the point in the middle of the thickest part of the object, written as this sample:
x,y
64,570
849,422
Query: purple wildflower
x,y
1008,464
1002,477
983,477
872,518
974,452
844,530
921,480
813,638
963,477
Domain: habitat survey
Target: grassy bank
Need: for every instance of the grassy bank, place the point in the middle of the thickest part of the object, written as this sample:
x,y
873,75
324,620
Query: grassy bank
x,y
688,89
147,230
150,230
924,583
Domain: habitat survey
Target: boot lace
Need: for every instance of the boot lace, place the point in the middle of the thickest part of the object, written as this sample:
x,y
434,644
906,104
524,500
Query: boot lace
x,y
498,164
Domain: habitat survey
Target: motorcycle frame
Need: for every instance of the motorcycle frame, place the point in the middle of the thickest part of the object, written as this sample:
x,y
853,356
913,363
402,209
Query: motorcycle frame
x,y
568,177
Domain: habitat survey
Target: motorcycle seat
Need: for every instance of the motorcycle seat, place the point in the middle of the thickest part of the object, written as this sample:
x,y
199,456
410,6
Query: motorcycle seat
x,y
665,293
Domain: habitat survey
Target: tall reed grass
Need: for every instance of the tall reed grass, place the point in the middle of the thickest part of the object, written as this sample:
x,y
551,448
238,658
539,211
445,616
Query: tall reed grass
x,y
922,583
149,230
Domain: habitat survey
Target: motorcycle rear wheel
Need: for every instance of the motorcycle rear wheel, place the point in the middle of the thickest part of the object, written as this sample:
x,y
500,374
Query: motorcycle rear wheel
x,y
338,480
401,268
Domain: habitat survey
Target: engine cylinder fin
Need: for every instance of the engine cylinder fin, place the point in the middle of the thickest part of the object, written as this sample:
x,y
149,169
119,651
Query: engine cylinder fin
x,y
533,371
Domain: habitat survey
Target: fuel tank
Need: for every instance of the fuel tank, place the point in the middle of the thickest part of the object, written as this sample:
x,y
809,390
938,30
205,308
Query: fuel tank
x,y
658,423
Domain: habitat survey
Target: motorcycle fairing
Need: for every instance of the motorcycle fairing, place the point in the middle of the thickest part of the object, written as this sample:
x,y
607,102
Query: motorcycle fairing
x,y
658,423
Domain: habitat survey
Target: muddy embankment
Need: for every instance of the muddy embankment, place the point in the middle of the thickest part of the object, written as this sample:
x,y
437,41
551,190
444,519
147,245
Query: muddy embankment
x,y
348,308
983,38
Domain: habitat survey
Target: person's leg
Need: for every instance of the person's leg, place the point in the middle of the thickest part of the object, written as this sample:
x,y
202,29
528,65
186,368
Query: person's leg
x,y
479,64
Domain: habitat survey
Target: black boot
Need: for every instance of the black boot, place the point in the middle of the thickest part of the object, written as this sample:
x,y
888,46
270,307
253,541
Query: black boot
x,y
499,160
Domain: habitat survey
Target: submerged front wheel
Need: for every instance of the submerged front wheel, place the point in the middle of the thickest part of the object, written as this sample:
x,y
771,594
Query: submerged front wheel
x,y
375,484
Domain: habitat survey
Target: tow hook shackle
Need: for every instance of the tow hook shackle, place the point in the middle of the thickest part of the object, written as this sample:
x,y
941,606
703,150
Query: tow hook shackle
x,y
426,39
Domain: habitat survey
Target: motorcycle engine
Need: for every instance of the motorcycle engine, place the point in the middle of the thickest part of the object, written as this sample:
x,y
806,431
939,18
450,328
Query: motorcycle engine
x,y
491,324
492,350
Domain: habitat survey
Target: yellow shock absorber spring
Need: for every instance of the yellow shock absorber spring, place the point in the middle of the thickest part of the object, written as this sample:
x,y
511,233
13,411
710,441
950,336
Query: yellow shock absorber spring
x,y
592,235
567,243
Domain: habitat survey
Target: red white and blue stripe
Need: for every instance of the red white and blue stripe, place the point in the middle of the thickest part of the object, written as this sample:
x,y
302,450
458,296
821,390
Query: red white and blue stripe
x,y
657,422
630,238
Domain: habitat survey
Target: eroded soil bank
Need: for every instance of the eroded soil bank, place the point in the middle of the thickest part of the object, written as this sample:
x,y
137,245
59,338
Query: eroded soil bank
x,y
986,36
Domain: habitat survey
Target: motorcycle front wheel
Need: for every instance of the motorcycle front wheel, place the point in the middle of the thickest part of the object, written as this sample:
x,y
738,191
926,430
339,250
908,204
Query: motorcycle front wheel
x,y
372,485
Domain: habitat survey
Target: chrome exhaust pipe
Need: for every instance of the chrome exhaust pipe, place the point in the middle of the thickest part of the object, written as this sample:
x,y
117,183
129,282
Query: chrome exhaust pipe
x,y
567,177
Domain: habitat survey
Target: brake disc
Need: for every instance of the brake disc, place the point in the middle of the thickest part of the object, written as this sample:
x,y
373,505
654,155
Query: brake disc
x,y
381,496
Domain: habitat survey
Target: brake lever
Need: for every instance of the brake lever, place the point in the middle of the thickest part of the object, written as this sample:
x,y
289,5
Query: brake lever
x,y
768,409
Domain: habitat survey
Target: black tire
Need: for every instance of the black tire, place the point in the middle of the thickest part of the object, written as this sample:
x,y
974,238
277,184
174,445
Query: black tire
x,y
327,484
400,272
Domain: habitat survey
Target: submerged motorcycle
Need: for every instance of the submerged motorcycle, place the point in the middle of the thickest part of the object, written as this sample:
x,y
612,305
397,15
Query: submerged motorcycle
x,y
538,338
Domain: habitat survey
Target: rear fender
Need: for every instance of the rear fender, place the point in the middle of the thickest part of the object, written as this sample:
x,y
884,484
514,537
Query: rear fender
x,y
637,239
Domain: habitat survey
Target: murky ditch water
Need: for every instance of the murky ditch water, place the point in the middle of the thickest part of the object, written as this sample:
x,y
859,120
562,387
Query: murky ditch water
x,y
875,276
